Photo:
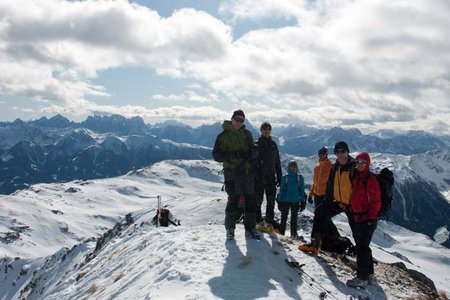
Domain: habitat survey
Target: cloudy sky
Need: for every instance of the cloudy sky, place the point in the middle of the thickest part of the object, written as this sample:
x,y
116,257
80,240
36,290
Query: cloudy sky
x,y
366,64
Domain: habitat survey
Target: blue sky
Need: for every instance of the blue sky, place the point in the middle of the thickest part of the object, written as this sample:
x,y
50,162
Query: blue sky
x,y
367,64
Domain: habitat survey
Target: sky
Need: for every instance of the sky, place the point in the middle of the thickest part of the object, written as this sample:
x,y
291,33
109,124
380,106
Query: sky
x,y
362,64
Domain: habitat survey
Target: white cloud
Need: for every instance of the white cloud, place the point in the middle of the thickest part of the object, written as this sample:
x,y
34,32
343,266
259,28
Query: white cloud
x,y
80,38
188,96
238,10
372,64
193,116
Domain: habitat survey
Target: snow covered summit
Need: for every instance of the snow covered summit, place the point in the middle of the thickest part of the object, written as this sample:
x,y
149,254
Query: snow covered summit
x,y
73,241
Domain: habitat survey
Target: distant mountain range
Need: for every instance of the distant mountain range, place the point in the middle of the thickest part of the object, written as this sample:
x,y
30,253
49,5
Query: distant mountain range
x,y
59,150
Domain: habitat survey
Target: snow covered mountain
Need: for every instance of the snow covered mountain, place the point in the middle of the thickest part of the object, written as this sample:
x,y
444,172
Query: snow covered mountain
x,y
58,150
36,154
306,143
95,239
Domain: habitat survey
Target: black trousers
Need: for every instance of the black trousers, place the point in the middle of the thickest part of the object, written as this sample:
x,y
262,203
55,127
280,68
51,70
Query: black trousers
x,y
233,212
362,234
269,188
240,183
318,200
284,208
322,223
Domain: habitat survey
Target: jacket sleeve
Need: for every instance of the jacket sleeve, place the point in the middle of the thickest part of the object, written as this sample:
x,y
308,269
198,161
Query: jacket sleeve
x,y
374,194
282,191
313,184
252,154
278,164
330,185
302,189
217,152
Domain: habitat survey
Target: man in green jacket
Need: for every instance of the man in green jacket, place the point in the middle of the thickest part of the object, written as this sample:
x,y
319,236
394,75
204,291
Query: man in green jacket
x,y
234,148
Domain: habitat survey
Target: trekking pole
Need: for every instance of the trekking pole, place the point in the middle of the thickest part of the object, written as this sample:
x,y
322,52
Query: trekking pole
x,y
310,281
158,210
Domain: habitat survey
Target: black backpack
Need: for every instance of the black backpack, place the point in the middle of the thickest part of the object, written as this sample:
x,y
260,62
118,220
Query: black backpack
x,y
163,218
338,244
386,180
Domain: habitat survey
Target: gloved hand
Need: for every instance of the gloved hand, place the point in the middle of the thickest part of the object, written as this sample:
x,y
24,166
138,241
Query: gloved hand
x,y
310,199
302,205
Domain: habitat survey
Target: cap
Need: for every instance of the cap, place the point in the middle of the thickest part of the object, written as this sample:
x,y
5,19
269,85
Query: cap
x,y
323,150
238,112
341,145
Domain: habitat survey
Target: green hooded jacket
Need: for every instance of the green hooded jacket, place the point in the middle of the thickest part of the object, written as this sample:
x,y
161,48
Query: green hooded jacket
x,y
233,147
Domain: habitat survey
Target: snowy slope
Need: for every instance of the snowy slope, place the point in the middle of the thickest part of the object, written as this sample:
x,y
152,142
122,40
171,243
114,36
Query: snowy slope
x,y
192,261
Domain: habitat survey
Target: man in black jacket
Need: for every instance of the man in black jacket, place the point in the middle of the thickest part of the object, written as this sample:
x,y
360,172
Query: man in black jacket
x,y
268,172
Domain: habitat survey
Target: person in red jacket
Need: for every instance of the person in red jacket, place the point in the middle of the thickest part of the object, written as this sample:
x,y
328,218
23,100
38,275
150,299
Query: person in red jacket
x,y
365,205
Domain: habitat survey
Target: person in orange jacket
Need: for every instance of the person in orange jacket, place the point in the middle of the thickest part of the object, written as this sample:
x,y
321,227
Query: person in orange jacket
x,y
321,173
365,205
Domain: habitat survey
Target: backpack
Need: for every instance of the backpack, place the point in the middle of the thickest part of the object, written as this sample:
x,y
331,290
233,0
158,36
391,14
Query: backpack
x,y
386,180
338,244
163,218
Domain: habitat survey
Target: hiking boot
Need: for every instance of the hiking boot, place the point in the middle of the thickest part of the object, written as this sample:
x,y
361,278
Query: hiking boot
x,y
357,283
268,227
372,279
259,226
253,234
296,237
230,234
309,248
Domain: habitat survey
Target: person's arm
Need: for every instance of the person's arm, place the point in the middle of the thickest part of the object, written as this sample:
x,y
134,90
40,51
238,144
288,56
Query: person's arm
x,y
301,188
330,183
217,153
374,194
278,165
283,188
313,184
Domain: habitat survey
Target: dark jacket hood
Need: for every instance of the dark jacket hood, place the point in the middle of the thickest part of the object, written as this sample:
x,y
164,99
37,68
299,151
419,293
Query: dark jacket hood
x,y
289,167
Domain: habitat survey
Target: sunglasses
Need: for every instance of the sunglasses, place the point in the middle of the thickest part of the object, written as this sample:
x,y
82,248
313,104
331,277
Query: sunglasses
x,y
267,129
239,120
340,151
360,162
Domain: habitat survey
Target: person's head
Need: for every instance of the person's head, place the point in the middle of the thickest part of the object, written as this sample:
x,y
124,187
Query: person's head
x,y
323,153
341,151
362,161
266,129
238,118
292,166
